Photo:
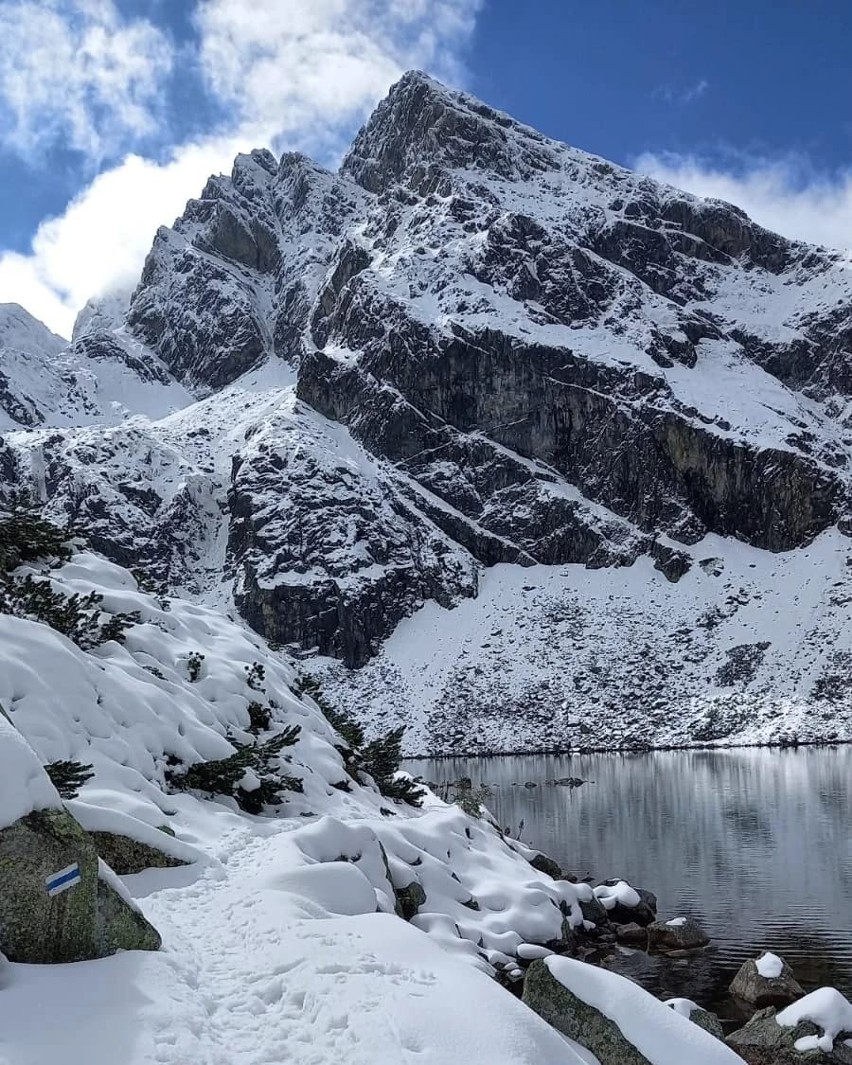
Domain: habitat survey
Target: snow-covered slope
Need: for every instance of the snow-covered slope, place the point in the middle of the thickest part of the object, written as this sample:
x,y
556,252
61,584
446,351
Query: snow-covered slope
x,y
280,937
483,371
98,379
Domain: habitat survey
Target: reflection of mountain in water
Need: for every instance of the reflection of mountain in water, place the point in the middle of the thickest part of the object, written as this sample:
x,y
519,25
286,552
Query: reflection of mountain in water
x,y
754,844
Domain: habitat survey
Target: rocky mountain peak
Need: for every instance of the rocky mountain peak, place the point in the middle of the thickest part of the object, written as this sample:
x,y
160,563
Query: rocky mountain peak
x,y
422,126
473,345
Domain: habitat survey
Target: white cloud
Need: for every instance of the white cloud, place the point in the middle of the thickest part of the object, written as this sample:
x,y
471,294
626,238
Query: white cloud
x,y
784,195
300,73
73,72
310,65
99,244
686,95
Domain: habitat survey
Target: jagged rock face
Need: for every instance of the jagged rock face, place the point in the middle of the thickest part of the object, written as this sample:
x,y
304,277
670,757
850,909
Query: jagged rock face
x,y
233,281
533,355
329,554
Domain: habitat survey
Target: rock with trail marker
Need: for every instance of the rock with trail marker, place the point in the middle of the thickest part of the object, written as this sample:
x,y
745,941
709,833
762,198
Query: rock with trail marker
x,y
58,902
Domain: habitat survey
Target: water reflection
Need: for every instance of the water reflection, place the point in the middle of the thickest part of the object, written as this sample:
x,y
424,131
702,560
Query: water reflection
x,y
754,844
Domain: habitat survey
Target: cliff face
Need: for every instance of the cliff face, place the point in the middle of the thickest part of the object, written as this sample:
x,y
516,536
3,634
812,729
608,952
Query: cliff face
x,y
471,345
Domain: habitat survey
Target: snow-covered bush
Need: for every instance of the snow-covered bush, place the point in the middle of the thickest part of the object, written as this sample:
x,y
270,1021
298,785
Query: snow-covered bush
x,y
252,775
79,617
26,537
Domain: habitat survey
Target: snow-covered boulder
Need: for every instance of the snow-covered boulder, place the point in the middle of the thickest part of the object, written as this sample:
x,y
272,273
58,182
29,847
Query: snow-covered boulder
x,y
817,1028
58,901
616,1020
767,981
625,904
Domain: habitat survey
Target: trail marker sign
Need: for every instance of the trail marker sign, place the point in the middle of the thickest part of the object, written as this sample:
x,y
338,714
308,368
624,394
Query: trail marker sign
x,y
66,878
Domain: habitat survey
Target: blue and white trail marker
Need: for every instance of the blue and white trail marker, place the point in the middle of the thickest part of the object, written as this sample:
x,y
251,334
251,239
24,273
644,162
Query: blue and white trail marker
x,y
66,878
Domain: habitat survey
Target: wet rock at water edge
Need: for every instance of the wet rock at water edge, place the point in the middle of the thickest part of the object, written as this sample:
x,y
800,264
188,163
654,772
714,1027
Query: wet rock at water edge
x,y
680,933
546,865
767,981
632,935
631,905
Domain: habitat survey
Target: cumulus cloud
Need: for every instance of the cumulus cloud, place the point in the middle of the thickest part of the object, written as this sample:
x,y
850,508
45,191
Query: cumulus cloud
x,y
784,195
309,64
300,74
74,72
99,244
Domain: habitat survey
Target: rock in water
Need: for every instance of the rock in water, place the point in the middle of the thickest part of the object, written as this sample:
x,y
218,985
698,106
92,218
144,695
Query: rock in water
x,y
693,1012
85,919
681,933
769,981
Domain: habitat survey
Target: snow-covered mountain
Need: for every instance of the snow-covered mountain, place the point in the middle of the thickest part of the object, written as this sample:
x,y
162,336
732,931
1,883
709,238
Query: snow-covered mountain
x,y
599,427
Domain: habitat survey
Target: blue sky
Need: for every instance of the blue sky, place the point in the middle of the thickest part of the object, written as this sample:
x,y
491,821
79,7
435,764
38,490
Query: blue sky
x,y
112,112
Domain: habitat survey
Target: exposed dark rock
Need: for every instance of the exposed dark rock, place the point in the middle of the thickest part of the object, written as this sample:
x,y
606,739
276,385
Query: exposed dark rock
x,y
668,936
409,899
632,934
124,855
546,865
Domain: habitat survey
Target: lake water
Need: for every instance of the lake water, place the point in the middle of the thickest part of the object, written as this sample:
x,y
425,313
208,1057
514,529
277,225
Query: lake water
x,y
753,844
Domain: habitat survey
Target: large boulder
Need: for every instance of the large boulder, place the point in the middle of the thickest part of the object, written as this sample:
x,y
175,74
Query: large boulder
x,y
767,981
83,916
680,933
58,901
614,1019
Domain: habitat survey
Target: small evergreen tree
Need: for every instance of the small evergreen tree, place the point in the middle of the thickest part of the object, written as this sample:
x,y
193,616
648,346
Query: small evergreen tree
x,y
69,777
25,536
79,617
379,759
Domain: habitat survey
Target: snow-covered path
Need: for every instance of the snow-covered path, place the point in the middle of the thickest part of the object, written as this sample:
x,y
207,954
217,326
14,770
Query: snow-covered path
x,y
255,970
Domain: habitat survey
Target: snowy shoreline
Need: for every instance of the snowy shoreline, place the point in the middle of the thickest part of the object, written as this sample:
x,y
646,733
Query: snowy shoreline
x,y
569,751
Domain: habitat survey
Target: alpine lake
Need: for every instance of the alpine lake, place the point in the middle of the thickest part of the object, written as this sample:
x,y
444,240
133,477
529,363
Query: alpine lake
x,y
755,844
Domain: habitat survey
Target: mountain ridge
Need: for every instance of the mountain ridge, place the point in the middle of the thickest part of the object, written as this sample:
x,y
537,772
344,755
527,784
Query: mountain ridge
x,y
470,347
